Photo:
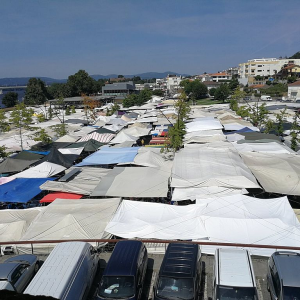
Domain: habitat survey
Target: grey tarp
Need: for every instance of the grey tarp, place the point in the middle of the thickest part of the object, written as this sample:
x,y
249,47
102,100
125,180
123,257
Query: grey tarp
x,y
258,136
10,165
134,182
83,183
89,146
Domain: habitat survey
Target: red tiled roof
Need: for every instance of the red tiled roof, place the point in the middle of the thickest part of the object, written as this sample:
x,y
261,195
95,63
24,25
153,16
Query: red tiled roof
x,y
296,83
219,74
256,86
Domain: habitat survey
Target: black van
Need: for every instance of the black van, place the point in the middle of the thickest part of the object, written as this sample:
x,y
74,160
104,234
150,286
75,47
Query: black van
x,y
180,273
124,274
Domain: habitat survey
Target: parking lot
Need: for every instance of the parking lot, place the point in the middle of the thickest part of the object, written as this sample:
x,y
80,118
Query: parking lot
x,y
154,262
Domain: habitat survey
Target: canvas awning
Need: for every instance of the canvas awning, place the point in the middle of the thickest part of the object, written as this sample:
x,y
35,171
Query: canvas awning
x,y
277,173
272,147
83,183
14,222
134,182
44,170
68,220
60,195
205,124
100,137
233,219
107,156
123,137
10,165
21,190
203,166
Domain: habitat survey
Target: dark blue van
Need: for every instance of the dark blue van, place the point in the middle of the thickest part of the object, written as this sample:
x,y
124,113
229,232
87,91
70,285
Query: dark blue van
x,y
180,273
124,274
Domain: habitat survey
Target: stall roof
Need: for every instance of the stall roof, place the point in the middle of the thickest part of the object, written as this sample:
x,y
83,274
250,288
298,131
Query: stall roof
x,y
69,220
21,190
134,182
60,195
10,165
26,155
107,156
277,173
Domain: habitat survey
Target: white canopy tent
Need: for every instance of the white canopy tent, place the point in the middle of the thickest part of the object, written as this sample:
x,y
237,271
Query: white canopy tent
x,y
277,173
205,124
14,222
147,220
123,137
237,126
206,165
43,170
70,219
136,131
234,219
272,147
180,194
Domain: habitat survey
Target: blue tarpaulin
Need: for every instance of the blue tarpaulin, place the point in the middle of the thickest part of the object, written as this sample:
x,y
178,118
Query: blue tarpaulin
x,y
38,152
21,190
245,129
107,156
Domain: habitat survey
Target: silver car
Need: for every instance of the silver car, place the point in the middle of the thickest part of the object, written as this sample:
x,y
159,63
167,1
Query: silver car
x,y
16,272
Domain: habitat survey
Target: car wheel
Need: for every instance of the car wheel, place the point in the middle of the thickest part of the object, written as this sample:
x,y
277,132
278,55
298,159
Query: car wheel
x,y
36,267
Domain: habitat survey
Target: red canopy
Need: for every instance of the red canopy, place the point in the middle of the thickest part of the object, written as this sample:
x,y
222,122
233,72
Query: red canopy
x,y
52,196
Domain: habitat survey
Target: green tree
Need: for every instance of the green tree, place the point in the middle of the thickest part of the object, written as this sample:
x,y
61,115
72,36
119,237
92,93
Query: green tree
x,y
268,126
159,93
258,115
243,111
195,89
3,152
130,100
60,130
144,96
59,109
294,133
21,118
42,136
222,92
81,83
4,125
238,95
68,111
113,109
36,92
73,109
177,132
55,90
233,84
120,76
10,99
280,119
40,118
212,92
50,113
290,79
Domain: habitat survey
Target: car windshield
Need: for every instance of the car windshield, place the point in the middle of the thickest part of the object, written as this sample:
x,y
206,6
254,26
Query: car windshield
x,y
116,287
291,293
175,288
235,293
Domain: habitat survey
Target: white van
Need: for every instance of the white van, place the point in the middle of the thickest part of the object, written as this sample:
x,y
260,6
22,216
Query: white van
x,y
67,273
266,98
233,275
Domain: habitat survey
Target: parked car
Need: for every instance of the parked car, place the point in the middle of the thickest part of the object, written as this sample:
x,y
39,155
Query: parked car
x,y
233,275
124,275
283,276
67,273
8,250
16,272
266,98
180,273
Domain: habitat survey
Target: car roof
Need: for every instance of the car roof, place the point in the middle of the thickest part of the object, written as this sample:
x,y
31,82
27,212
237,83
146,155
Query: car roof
x,y
123,260
24,258
180,260
235,268
288,266
6,269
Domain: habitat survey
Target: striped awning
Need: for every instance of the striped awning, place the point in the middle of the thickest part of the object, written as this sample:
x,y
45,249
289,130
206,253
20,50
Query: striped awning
x,y
100,137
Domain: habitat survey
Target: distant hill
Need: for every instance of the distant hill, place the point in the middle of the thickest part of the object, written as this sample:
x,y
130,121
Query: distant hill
x,y
24,81
49,81
296,55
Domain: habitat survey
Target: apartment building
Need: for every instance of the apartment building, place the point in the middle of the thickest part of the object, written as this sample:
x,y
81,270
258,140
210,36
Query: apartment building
x,y
173,83
267,67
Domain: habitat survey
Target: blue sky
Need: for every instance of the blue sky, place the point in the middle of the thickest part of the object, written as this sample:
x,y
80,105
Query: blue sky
x,y
57,38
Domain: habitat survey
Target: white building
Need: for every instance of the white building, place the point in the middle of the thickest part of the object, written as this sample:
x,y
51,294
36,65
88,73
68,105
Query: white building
x,y
294,90
173,83
264,66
